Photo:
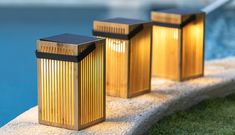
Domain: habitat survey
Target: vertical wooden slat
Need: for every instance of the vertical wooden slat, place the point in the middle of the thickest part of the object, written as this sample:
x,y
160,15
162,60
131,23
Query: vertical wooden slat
x,y
99,81
86,93
44,89
52,91
96,94
69,107
92,87
56,91
60,90
81,91
48,89
72,92
69,95
66,93
100,76
40,83
77,95
103,77
63,93
88,96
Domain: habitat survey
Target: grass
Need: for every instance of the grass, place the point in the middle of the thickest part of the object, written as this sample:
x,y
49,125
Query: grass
x,y
211,117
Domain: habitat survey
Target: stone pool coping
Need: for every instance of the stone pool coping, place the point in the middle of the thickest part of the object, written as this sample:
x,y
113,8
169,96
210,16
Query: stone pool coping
x,y
137,115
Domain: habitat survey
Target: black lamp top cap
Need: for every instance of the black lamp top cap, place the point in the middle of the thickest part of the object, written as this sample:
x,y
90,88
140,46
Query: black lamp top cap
x,y
70,39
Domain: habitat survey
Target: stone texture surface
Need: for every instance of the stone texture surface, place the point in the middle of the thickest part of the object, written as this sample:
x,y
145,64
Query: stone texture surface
x,y
137,115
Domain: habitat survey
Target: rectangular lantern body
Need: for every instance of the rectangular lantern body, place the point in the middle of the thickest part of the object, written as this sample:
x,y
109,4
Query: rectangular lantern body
x,y
128,51
178,44
71,81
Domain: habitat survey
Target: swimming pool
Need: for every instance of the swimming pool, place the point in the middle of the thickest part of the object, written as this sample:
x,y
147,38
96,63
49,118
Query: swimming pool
x,y
20,27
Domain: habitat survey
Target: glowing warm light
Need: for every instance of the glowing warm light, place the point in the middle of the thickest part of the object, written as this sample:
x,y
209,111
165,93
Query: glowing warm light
x,y
118,46
162,33
197,30
175,35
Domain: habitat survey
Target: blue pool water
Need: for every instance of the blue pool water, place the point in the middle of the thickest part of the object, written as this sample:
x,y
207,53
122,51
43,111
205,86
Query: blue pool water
x,y
21,27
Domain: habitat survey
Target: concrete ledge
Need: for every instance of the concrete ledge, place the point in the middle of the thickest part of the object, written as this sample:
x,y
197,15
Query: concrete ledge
x,y
137,115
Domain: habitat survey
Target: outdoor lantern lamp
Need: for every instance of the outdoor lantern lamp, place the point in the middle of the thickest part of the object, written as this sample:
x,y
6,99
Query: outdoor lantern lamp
x,y
71,81
128,51
178,44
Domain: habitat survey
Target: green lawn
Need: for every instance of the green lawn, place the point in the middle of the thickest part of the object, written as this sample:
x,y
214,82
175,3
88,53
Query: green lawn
x,y
211,117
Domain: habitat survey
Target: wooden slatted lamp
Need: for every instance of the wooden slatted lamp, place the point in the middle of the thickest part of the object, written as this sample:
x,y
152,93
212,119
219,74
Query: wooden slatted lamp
x,y
128,51
71,81
178,44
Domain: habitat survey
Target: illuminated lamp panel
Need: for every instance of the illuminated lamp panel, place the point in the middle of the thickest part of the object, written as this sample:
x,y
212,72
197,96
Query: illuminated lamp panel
x,y
193,40
117,67
166,52
140,62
